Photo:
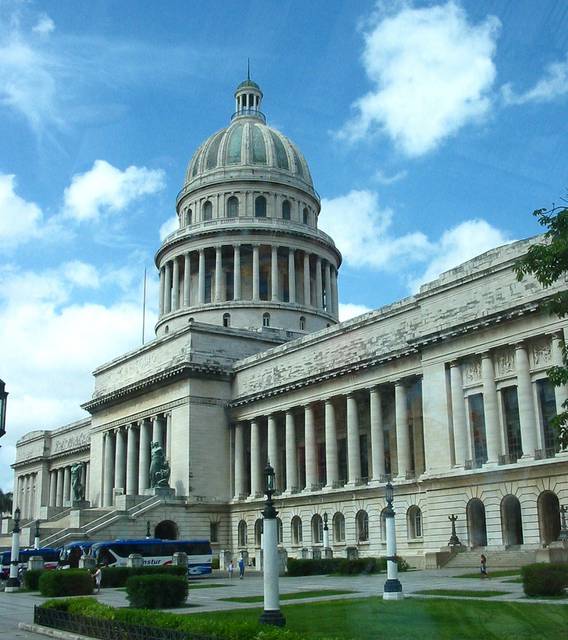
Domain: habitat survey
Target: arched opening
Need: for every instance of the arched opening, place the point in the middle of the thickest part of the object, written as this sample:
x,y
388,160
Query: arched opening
x,y
339,527
511,521
265,319
260,207
242,534
286,210
362,526
476,524
414,522
302,323
226,319
306,216
548,517
317,529
233,207
166,530
258,533
207,211
296,530
188,217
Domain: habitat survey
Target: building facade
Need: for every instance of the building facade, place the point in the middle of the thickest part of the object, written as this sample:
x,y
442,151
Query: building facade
x,y
445,392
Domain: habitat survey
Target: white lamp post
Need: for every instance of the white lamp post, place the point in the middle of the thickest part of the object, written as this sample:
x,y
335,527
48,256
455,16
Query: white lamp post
x,y
36,536
326,547
271,614
393,588
13,583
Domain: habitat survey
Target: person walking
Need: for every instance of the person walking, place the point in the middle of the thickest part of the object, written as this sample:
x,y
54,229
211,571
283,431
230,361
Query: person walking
x,y
230,569
483,566
241,567
98,575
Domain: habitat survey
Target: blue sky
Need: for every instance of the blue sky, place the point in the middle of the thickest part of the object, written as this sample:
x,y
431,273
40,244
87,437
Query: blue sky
x,y
432,130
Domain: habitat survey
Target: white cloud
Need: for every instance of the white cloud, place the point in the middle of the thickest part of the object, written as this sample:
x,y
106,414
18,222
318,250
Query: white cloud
x,y
106,189
20,220
169,226
349,310
44,26
431,71
553,84
383,178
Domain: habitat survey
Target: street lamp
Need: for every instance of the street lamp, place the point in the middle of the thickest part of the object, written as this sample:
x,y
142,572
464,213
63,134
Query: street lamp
x,y
271,614
454,540
326,549
148,534
36,536
393,588
13,583
3,403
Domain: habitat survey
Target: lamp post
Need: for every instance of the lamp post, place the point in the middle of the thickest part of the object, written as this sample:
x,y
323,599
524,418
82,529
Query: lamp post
x,y
271,614
454,540
148,534
13,583
3,404
392,588
326,547
36,536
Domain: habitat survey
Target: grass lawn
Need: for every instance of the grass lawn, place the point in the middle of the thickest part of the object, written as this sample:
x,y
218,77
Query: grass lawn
x,y
462,593
292,596
416,619
208,586
503,573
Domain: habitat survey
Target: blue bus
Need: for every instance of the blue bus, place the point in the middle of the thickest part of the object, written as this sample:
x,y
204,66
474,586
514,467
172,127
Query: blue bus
x,y
155,552
72,551
49,554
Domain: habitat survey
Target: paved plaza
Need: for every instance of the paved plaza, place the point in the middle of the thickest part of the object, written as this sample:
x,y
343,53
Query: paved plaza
x,y
18,607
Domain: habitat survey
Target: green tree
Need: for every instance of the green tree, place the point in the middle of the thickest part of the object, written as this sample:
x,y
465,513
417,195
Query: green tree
x,y
5,502
548,263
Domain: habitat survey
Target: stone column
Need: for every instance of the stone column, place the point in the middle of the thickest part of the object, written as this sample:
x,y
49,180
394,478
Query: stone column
x,y
66,485
402,432
318,303
255,272
255,462
175,287
328,303
27,496
458,413
161,291
491,410
334,298
274,274
120,460
272,447
52,488
201,277
110,445
168,288
527,413
158,430
186,280
291,460
144,457
87,480
331,462
239,461
236,272
291,275
218,274
307,289
353,445
310,448
131,460
377,435
560,392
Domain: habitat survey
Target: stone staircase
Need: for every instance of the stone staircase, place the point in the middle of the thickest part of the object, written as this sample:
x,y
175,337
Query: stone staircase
x,y
497,558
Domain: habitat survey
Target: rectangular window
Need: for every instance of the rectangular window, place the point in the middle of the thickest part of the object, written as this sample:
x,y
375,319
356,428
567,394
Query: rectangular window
x,y
208,287
477,422
547,404
214,531
512,422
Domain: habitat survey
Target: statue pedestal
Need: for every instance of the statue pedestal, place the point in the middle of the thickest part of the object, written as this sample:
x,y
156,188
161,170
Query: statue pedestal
x,y
161,492
80,504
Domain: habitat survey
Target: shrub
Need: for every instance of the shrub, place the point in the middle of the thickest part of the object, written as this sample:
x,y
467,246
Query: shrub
x,y
156,592
215,562
31,579
545,579
70,582
117,576
340,566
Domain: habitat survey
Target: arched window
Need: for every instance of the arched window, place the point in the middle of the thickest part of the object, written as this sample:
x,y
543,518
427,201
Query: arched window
x,y
302,323
306,216
226,319
258,533
207,211
339,527
296,530
317,529
188,217
384,525
362,526
233,207
548,507
260,207
265,319
242,534
414,522
279,530
166,329
476,524
511,521
286,210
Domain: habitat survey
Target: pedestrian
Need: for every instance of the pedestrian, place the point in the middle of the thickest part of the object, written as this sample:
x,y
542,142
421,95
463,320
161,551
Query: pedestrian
x,y
241,567
483,566
98,577
230,569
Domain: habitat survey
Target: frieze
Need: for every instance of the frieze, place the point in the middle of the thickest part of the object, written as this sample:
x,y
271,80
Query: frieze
x,y
541,352
71,442
472,371
505,360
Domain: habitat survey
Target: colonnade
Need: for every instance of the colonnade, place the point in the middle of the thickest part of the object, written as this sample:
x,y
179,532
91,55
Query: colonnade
x,y
60,485
26,495
294,276
264,430
126,458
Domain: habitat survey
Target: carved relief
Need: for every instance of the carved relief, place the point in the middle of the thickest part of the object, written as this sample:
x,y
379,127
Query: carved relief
x,y
505,362
71,442
541,352
472,371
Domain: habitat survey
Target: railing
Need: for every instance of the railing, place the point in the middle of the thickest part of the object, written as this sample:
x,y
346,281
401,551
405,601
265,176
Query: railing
x,y
255,113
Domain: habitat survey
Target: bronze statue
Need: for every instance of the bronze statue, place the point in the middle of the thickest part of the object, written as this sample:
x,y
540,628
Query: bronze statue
x,y
77,481
159,467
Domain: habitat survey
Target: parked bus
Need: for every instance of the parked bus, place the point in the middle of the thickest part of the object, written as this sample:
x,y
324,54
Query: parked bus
x,y
49,554
72,552
155,553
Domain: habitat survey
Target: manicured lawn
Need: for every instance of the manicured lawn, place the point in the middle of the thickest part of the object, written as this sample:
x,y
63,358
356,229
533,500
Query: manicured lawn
x,y
503,573
417,619
292,596
463,593
211,585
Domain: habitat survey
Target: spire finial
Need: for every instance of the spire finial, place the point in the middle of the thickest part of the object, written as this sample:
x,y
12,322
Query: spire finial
x,y
248,68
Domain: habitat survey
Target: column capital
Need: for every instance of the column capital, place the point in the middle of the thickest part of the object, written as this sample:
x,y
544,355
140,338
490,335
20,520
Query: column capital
x,y
486,355
401,382
521,344
236,245
454,363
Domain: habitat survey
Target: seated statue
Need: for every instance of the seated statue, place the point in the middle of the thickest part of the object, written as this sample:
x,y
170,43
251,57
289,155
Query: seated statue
x,y
159,467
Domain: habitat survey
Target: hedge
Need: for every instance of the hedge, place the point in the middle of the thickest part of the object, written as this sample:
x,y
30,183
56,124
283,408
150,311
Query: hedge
x,y
68,582
156,592
204,628
544,579
117,576
31,579
340,566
